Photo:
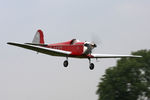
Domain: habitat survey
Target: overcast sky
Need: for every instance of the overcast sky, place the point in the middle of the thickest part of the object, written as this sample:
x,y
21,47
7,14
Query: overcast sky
x,y
121,26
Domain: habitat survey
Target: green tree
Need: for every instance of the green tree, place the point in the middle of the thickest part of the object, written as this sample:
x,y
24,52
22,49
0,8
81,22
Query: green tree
x,y
128,80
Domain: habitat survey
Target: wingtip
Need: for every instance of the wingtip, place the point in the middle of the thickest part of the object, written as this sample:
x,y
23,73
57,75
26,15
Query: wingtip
x,y
8,42
137,56
11,43
140,56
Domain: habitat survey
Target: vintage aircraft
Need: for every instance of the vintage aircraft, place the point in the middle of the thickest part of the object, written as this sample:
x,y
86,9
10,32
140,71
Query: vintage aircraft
x,y
73,48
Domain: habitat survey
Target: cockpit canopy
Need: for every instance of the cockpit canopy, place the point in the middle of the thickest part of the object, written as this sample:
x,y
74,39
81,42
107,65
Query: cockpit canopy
x,y
73,41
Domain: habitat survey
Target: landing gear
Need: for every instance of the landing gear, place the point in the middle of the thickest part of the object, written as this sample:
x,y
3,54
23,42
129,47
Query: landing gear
x,y
91,65
66,62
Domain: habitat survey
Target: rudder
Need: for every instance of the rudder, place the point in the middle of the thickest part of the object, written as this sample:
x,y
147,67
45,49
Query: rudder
x,y
38,38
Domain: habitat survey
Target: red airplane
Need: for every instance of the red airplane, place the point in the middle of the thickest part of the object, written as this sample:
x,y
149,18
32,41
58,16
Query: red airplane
x,y
73,48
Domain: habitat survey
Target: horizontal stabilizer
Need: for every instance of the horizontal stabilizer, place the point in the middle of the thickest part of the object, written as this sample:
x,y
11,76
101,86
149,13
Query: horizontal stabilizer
x,y
37,44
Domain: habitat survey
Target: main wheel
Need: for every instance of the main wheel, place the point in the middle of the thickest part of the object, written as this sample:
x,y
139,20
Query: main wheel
x,y
91,66
65,63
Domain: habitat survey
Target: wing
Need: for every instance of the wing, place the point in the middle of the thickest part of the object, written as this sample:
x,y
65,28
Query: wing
x,y
41,49
113,56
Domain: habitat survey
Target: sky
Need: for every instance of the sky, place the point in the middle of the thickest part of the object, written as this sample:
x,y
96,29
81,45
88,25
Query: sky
x,y
121,27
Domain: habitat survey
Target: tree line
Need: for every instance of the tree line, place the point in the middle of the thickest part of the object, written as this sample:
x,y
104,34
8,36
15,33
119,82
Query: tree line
x,y
128,80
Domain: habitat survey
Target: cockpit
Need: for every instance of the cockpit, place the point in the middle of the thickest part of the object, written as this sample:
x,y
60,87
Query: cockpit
x,y
73,41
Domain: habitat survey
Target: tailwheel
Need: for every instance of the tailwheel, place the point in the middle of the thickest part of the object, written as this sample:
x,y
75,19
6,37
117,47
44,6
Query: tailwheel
x,y
91,66
65,63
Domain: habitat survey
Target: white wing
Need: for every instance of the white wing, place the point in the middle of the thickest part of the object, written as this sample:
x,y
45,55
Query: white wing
x,y
45,50
113,56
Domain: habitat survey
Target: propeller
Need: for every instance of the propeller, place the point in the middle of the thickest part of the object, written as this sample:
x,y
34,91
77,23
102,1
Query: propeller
x,y
95,39
93,44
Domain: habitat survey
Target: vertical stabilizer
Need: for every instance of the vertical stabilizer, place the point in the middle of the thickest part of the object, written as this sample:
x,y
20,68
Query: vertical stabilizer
x,y
38,38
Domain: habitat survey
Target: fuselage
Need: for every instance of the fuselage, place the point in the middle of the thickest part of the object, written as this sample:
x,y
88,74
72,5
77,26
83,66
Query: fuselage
x,y
73,48
76,49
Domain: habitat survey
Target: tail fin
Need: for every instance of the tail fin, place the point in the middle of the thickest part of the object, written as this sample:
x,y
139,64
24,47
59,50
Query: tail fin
x,y
38,38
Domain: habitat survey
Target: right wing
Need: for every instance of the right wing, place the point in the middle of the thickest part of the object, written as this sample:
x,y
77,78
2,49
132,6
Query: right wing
x,y
42,49
112,56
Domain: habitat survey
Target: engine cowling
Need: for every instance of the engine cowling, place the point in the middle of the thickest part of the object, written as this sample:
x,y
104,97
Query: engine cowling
x,y
88,47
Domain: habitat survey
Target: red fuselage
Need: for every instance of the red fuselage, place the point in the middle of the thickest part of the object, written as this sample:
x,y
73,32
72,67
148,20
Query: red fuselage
x,y
76,49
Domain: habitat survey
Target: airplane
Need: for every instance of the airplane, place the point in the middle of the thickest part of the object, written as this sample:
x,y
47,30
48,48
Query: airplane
x,y
72,48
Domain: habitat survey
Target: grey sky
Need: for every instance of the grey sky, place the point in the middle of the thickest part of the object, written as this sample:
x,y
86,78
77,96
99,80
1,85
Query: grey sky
x,y
122,26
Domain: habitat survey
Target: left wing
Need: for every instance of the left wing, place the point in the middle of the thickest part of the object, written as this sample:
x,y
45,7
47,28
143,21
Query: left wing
x,y
113,56
40,48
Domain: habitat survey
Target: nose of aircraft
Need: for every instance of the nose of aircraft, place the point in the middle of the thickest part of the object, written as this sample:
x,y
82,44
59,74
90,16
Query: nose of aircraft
x,y
94,45
90,44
